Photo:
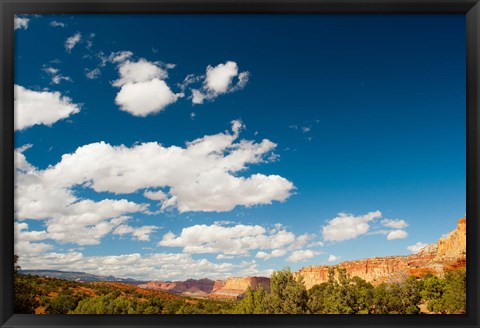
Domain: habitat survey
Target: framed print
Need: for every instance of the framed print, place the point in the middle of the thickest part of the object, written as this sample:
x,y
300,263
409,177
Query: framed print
x,y
222,163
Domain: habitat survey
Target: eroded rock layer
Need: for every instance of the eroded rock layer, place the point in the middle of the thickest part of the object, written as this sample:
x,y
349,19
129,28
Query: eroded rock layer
x,y
447,254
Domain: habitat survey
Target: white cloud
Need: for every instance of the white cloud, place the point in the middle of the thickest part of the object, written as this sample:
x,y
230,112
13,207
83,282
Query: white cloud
x,y
262,255
139,233
143,90
41,107
93,73
55,75
196,178
230,240
302,255
139,71
22,234
57,24
394,224
199,177
316,244
275,253
120,56
218,80
347,226
224,257
145,98
39,198
169,266
417,247
155,195
21,23
72,41
332,258
397,234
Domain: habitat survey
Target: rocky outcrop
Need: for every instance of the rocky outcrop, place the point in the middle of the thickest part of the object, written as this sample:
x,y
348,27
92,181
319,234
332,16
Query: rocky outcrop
x,y
454,244
236,287
187,287
449,253
218,285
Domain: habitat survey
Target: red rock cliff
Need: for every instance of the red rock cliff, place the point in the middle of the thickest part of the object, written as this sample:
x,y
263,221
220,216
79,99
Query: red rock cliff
x,y
190,286
448,253
236,287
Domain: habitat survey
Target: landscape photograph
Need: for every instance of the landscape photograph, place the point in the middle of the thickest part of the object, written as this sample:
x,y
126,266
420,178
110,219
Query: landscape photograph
x,y
240,164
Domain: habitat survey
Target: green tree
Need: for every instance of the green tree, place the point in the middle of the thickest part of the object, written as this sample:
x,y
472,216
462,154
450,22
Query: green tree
x,y
455,292
24,292
361,301
62,304
288,295
105,304
256,301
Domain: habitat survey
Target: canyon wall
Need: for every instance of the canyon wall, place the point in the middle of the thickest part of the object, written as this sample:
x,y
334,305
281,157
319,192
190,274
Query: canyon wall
x,y
447,254
190,286
237,286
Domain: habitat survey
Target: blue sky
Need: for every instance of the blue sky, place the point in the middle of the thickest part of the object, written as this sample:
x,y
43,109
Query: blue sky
x,y
319,139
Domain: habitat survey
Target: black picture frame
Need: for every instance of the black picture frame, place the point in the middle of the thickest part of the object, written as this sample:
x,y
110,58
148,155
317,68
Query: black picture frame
x,y
9,8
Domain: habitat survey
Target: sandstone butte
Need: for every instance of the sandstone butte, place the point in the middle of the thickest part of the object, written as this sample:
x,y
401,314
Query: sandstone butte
x,y
237,286
447,254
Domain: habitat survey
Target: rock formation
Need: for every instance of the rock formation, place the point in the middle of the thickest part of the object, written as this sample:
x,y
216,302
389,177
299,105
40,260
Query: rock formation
x,y
449,253
236,287
188,287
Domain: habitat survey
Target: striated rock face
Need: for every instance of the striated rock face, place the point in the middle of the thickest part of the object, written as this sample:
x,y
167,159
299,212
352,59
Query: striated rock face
x,y
190,286
454,245
447,254
236,287
218,285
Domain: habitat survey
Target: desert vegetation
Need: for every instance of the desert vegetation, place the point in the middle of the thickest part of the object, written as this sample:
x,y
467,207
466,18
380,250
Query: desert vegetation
x,y
341,294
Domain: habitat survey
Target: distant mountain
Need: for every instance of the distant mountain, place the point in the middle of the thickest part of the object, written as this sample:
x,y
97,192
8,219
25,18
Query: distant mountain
x,y
77,276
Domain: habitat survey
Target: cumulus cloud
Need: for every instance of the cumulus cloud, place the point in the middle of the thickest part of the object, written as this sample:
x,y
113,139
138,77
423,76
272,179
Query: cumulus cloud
x,y
394,224
199,177
41,107
275,253
169,266
72,41
302,255
66,217
143,90
145,98
230,240
348,226
139,233
20,23
139,71
332,258
218,80
155,195
397,234
57,24
22,233
417,247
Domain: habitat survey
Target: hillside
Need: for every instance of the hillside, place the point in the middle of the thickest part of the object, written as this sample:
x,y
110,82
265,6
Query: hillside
x,y
76,276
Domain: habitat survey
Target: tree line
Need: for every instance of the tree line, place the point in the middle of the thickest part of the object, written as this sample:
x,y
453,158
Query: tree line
x,y
353,295
341,294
